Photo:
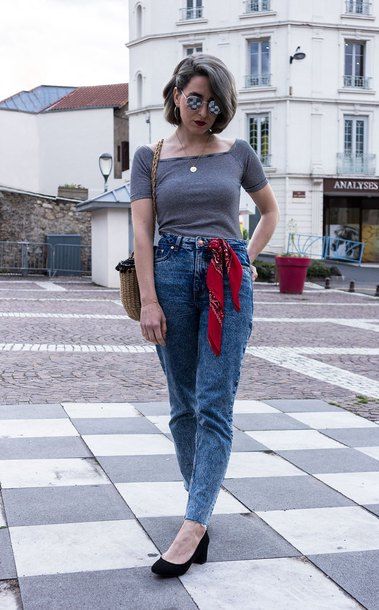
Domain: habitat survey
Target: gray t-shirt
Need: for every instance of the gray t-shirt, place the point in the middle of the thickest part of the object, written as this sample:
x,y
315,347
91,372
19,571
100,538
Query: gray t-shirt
x,y
205,202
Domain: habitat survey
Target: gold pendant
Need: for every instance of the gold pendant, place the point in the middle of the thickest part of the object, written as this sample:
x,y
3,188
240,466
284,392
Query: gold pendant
x,y
193,169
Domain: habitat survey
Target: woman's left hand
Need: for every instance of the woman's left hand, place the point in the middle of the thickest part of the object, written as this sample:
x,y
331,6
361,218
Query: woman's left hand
x,y
254,272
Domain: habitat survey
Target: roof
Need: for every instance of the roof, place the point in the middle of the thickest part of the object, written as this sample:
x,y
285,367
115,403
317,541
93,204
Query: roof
x,y
117,198
46,98
98,96
35,100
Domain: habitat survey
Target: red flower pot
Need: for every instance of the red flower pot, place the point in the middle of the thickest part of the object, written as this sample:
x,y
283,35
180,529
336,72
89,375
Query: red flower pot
x,y
292,271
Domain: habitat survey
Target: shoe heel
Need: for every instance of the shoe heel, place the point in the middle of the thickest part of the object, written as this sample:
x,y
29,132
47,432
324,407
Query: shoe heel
x,y
202,553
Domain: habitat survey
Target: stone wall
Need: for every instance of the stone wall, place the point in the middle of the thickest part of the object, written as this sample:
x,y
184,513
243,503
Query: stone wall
x,y
31,217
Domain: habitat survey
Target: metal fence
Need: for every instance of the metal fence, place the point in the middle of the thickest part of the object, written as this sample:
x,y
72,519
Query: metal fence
x,y
27,257
331,248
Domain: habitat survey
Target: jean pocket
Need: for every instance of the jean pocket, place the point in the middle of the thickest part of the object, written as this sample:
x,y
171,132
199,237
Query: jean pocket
x,y
162,252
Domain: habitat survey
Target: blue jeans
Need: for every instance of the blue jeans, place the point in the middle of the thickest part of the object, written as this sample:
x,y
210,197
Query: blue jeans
x,y
201,385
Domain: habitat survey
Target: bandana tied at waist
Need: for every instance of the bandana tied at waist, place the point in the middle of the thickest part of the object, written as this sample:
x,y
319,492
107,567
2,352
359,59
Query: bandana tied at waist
x,y
222,255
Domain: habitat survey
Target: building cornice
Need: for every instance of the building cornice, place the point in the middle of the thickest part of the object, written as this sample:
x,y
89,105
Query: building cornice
x,y
252,102
350,28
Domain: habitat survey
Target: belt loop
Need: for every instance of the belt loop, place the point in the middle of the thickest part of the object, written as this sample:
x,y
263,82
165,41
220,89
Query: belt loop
x,y
178,242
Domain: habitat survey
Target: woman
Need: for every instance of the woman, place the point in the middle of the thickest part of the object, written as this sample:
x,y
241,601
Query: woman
x,y
196,285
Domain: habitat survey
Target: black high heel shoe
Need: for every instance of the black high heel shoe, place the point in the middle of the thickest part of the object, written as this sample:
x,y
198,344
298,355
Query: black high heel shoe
x,y
166,568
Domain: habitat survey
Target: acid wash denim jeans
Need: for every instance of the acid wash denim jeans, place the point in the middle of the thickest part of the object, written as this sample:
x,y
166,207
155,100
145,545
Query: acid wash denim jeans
x,y
201,385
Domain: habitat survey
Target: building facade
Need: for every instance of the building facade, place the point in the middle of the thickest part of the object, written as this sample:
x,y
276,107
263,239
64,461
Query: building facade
x,y
307,100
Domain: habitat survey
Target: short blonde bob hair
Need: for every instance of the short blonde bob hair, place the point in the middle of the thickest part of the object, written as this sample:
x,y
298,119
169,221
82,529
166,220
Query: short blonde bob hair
x,y
221,82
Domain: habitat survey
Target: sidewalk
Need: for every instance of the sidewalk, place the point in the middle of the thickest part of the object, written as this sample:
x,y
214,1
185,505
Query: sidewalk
x,y
91,492
92,495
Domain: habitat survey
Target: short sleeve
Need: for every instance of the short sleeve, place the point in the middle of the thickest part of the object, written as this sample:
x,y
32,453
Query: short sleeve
x,y
254,177
140,175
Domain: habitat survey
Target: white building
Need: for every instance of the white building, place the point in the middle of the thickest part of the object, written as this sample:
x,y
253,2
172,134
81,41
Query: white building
x,y
52,136
313,121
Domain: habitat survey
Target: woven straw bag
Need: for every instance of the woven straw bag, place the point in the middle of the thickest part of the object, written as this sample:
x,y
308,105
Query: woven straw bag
x,y
129,289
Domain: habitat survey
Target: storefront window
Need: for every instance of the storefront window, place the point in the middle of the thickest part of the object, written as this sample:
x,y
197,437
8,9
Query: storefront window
x,y
343,224
370,235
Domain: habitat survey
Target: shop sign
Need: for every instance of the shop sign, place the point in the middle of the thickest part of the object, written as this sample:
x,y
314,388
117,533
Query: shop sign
x,y
350,185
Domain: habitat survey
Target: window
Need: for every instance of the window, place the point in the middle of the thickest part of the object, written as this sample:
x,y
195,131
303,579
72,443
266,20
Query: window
x,y
139,21
354,73
124,156
355,159
259,63
257,6
259,136
192,10
191,49
358,7
139,90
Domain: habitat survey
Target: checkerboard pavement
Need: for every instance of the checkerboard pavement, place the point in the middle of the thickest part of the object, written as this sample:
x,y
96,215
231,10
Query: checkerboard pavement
x,y
91,494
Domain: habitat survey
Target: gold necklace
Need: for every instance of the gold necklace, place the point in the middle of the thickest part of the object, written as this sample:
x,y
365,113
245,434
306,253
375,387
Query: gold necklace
x,y
193,167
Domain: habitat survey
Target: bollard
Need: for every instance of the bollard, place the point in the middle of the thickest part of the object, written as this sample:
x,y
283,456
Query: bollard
x,y
352,287
377,290
327,282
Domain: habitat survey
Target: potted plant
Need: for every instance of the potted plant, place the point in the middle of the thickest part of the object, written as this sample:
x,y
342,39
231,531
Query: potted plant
x,y
292,266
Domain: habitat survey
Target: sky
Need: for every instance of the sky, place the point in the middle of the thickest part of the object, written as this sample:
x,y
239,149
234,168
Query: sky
x,y
62,42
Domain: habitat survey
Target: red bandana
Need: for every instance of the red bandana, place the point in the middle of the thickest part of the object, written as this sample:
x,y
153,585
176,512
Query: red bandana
x,y
222,254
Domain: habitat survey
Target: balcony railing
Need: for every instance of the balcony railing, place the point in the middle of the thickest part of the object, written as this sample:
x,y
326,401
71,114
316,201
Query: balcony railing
x,y
265,159
261,80
347,163
257,6
358,7
361,82
186,14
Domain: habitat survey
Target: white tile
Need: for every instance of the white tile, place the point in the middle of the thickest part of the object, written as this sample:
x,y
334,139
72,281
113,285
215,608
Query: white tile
x,y
371,451
263,584
294,439
160,421
128,444
80,547
162,498
326,530
29,428
54,472
362,487
253,406
332,419
78,410
259,464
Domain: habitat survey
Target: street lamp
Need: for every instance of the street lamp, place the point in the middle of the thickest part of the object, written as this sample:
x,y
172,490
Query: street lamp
x,y
105,164
297,55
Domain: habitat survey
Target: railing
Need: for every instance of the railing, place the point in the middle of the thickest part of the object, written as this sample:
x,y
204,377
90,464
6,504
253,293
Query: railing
x,y
257,81
266,159
257,6
358,7
33,257
347,163
317,246
187,14
359,82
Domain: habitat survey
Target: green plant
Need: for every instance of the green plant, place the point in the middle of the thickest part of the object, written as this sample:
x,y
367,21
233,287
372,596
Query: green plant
x,y
72,186
245,234
318,268
266,271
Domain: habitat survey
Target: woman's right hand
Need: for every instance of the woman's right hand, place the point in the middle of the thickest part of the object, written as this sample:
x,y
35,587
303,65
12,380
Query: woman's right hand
x,y
153,323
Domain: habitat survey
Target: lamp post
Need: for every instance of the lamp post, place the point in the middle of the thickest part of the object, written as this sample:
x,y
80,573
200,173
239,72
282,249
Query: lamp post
x,y
297,55
105,164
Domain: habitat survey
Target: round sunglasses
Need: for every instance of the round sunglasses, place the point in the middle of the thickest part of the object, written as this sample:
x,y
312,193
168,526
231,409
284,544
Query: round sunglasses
x,y
194,102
